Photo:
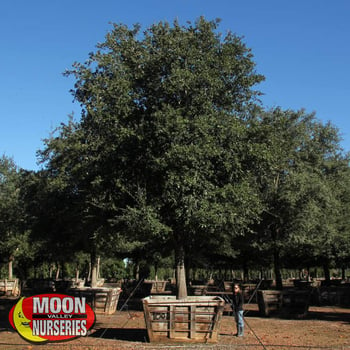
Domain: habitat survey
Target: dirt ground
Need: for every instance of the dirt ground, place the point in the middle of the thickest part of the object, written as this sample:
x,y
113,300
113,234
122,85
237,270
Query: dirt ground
x,y
322,328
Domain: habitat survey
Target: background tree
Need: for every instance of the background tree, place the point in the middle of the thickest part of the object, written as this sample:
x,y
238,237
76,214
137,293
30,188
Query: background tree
x,y
172,150
342,184
332,236
13,232
293,149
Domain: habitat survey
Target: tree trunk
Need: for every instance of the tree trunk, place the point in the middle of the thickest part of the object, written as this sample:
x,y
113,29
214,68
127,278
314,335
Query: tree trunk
x,y
94,275
277,267
156,271
11,267
245,272
343,277
98,267
76,275
327,275
88,278
137,270
180,274
187,263
94,267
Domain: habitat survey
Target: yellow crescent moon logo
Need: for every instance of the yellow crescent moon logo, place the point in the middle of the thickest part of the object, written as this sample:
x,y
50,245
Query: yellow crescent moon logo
x,y
22,324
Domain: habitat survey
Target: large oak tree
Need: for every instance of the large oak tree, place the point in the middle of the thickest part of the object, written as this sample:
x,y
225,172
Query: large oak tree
x,y
157,154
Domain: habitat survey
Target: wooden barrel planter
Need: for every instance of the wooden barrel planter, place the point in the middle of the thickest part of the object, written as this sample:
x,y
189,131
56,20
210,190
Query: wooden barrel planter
x,y
269,301
194,319
103,301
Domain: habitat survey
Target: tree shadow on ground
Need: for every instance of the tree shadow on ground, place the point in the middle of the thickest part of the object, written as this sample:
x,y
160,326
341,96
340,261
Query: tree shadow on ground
x,y
329,316
127,334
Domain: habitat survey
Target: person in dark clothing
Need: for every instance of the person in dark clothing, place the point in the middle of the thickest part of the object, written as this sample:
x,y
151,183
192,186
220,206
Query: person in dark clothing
x,y
237,307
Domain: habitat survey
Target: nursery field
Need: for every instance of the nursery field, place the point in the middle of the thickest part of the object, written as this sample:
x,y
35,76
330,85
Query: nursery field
x,y
326,327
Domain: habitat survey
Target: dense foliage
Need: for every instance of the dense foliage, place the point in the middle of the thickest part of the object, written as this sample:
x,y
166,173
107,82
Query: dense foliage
x,y
174,155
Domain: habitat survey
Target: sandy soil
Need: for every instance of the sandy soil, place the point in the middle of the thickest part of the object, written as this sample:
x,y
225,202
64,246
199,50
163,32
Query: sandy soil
x,y
322,328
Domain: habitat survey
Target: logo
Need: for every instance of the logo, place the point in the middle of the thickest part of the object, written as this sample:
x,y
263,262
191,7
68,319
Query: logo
x,y
51,317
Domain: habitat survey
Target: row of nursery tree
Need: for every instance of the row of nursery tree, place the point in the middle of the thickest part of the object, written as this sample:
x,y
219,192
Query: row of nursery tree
x,y
174,155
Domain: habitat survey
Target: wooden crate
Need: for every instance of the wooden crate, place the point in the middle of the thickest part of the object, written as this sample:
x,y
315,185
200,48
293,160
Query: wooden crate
x,y
156,287
10,287
66,284
41,285
269,301
228,286
198,290
103,301
194,319
334,295
295,302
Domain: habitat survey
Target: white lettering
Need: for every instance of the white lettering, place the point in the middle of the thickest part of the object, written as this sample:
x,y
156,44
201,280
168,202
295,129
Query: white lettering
x,y
40,308
83,330
45,328
69,328
67,305
56,326
49,327
55,305
80,305
36,324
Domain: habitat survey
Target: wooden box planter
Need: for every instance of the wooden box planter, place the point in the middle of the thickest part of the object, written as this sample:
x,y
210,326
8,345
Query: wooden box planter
x,y
194,319
228,286
334,296
103,301
156,287
302,284
292,302
266,284
78,283
62,286
269,301
10,287
198,290
296,302
41,285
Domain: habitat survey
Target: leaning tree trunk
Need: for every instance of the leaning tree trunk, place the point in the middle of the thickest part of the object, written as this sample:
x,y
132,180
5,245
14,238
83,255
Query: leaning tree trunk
x,y
180,273
58,272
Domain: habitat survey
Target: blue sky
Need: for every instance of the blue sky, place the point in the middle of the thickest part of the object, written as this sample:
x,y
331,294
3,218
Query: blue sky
x,y
300,46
